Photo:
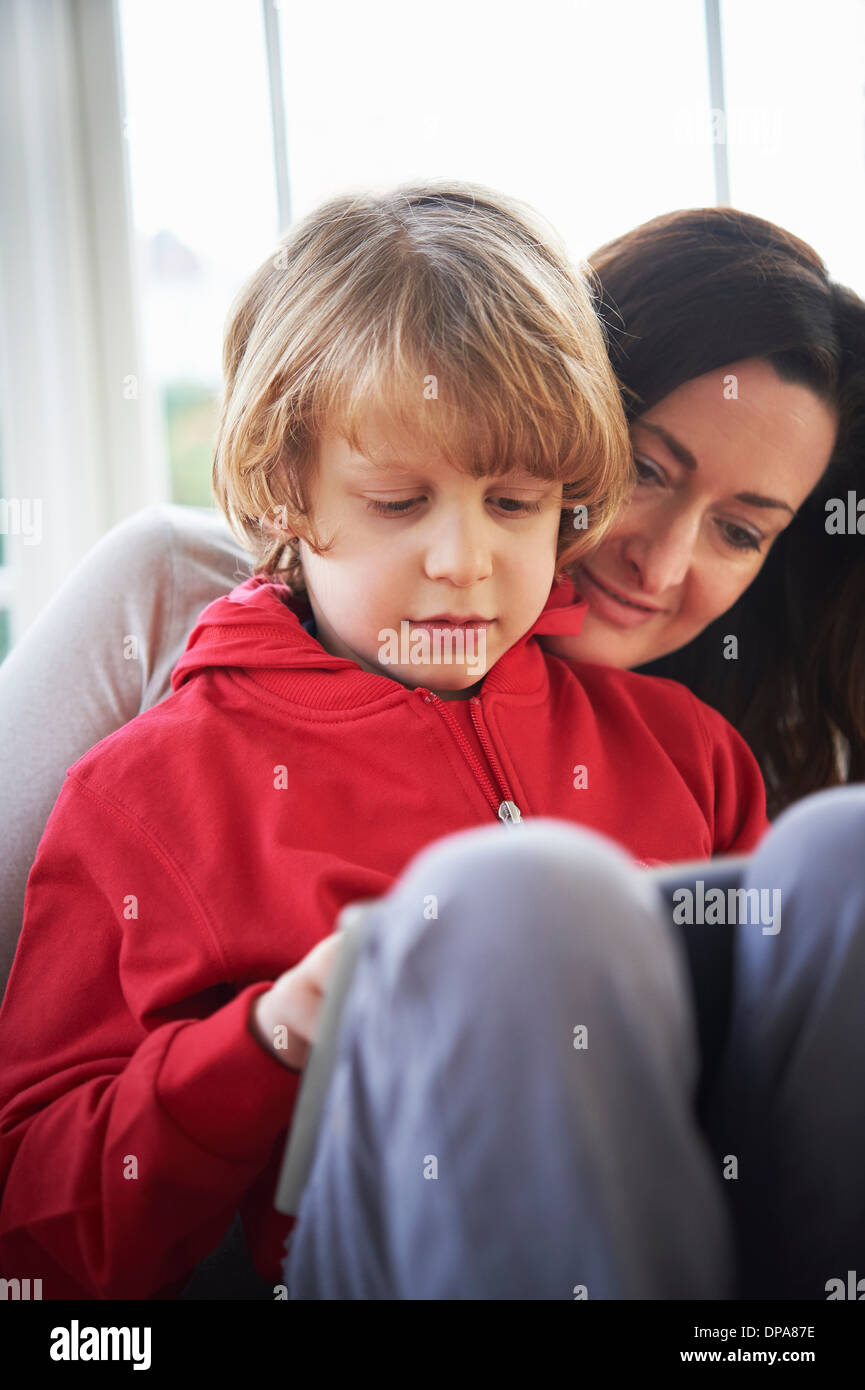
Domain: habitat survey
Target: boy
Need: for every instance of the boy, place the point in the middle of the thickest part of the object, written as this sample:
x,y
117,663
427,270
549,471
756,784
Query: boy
x,y
418,409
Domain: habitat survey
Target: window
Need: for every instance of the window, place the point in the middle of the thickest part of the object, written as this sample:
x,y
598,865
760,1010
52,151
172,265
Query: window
x,y
598,115
578,108
795,89
153,143
203,200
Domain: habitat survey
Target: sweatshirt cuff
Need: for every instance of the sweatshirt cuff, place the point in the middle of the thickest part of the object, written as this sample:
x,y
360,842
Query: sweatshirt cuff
x,y
222,1088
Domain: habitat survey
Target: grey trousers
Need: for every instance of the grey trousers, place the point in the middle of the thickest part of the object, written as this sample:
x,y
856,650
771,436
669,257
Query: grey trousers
x,y
790,1104
511,1115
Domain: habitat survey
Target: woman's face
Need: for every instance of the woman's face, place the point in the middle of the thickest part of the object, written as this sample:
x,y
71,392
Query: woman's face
x,y
723,462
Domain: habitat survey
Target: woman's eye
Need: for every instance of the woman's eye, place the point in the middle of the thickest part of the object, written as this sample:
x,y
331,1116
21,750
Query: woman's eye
x,y
738,537
646,473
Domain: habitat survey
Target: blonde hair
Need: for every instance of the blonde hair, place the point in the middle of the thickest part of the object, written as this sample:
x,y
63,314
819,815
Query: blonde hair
x,y
455,311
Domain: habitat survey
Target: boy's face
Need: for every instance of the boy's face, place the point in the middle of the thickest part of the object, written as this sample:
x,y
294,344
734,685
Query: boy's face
x,y
414,539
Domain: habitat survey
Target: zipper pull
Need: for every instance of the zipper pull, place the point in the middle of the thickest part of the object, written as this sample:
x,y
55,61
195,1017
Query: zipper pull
x,y
509,812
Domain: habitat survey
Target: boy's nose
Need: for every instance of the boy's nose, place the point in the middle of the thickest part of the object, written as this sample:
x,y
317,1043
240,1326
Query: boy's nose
x,y
458,553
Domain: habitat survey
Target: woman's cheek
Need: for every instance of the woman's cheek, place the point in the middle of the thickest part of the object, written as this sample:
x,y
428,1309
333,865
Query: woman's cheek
x,y
717,594
567,647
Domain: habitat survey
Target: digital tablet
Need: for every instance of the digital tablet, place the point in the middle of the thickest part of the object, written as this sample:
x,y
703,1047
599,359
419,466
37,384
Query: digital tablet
x,y
306,1121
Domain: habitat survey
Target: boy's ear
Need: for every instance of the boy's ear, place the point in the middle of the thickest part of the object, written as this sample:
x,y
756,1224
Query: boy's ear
x,y
276,520
275,523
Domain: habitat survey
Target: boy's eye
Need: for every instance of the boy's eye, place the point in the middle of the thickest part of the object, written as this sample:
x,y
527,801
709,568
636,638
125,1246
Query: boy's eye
x,y
392,508
510,505
514,506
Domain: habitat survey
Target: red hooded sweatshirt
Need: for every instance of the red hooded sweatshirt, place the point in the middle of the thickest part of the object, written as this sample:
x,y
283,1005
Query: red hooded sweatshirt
x,y
205,847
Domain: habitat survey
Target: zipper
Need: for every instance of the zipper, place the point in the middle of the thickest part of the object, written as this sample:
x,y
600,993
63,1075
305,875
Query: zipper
x,y
503,804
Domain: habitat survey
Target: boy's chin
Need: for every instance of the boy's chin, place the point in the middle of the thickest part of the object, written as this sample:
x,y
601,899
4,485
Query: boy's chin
x,y
448,680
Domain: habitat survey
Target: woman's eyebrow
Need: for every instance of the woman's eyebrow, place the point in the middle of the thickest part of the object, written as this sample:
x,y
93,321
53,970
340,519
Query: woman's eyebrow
x,y
686,458
753,499
676,448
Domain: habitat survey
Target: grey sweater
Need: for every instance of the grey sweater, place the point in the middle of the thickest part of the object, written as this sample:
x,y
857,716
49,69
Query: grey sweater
x,y
101,652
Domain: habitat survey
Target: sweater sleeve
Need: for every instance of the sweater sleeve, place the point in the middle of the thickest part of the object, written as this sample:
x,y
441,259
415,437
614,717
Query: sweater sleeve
x,y
145,579
136,1107
740,819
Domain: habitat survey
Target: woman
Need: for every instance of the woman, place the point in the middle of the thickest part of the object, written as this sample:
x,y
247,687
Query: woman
x,y
743,374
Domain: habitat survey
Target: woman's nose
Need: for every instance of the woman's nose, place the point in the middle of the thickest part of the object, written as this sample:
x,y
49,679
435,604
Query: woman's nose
x,y
661,558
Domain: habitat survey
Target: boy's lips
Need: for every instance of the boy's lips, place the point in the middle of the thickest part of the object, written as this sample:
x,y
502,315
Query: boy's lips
x,y
446,620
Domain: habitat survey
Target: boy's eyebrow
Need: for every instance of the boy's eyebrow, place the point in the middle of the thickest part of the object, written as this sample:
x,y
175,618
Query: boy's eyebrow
x,y
686,458
413,469
368,464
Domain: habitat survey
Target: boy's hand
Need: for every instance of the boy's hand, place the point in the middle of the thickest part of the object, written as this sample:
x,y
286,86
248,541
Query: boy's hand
x,y
294,1002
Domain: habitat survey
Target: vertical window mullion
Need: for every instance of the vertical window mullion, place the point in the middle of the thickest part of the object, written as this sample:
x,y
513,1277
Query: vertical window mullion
x,y
272,41
717,103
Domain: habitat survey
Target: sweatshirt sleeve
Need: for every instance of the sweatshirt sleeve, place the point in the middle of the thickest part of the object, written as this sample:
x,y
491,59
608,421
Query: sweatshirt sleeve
x,y
740,819
146,579
136,1107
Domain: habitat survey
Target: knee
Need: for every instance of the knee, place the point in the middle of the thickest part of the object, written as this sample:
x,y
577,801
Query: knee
x,y
828,822
812,858
816,845
513,874
505,900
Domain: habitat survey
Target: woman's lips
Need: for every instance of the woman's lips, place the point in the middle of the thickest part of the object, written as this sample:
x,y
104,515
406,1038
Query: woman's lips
x,y
614,610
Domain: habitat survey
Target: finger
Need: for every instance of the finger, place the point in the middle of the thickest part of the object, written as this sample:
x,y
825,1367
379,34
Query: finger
x,y
305,1011
318,964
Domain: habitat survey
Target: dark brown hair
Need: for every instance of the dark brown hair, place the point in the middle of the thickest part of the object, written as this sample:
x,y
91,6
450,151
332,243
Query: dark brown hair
x,y
687,293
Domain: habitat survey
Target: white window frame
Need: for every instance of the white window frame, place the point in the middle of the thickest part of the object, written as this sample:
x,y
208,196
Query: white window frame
x,y
80,427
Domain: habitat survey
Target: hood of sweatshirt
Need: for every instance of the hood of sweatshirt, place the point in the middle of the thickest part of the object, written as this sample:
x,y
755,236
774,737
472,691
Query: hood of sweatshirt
x,y
258,628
